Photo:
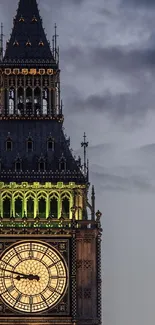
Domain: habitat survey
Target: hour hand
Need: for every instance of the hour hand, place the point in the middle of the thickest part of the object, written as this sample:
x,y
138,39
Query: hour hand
x,y
30,277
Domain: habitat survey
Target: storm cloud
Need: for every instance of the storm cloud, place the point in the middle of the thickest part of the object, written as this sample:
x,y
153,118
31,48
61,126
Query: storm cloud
x,y
107,60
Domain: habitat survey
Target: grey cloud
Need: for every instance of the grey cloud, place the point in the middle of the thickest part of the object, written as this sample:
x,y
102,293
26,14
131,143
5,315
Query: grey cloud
x,y
148,149
119,183
117,58
62,2
116,105
143,3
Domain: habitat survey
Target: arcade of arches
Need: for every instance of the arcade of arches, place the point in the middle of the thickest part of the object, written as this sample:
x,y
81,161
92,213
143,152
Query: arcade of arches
x,y
40,204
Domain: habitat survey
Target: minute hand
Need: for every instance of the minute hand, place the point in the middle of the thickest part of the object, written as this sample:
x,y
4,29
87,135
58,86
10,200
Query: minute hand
x,y
14,272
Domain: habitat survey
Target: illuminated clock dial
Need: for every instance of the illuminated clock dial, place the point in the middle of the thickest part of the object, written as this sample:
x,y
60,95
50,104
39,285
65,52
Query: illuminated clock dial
x,y
33,276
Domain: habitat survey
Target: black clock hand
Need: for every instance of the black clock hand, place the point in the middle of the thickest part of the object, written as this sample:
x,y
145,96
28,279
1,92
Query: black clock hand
x,y
14,272
30,277
24,276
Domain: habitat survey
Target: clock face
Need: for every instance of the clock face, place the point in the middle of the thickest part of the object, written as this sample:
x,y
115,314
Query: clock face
x,y
33,276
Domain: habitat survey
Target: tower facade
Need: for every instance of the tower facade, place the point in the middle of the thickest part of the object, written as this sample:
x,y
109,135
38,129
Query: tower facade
x,y
50,246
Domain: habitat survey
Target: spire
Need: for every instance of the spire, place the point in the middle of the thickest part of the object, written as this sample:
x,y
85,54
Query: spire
x,y
84,144
28,39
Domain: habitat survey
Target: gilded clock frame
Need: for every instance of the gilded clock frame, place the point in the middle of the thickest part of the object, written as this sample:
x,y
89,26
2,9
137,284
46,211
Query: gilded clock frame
x,y
62,247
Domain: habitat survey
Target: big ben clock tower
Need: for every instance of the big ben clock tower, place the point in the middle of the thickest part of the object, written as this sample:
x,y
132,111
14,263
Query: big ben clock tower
x,y
50,245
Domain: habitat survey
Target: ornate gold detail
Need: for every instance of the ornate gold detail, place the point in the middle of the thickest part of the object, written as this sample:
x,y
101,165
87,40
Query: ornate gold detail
x,y
50,71
16,71
25,71
30,273
41,71
33,71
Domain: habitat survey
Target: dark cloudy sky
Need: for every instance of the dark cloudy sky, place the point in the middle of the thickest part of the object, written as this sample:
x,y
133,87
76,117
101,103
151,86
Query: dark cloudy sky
x,y
108,88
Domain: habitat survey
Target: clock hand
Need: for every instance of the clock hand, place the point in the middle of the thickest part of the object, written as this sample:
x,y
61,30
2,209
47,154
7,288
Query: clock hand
x,y
24,276
14,272
30,277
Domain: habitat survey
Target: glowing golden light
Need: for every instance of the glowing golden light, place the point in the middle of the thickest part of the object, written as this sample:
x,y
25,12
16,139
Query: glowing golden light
x,y
33,276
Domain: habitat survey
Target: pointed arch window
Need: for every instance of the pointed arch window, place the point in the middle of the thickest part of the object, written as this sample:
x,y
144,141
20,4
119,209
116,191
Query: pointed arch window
x,y
50,144
6,207
11,101
20,100
29,144
62,164
65,207
29,101
45,100
42,207
9,144
30,207
18,207
41,166
54,207
57,97
18,165
37,100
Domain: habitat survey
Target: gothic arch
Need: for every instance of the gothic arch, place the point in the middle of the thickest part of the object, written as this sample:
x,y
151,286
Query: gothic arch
x,y
29,100
30,207
11,100
54,194
42,200
30,204
37,100
6,207
18,194
42,204
45,100
30,194
18,204
66,203
42,194
54,204
6,194
66,194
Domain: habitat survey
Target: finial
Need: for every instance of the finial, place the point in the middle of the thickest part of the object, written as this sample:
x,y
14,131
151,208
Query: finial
x,y
93,203
55,50
61,107
1,43
98,216
84,144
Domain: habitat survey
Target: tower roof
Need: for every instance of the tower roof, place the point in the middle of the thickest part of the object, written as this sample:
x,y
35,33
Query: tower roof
x,y
28,40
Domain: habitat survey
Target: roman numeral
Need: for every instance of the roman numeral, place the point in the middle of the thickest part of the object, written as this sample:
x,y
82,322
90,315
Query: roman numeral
x,y
11,288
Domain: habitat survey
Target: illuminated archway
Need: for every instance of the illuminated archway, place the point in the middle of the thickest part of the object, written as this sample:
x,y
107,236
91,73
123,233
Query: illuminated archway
x,y
18,207
30,207
6,207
